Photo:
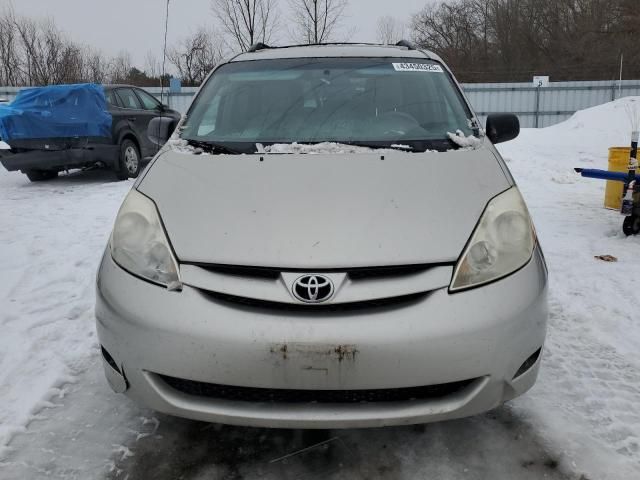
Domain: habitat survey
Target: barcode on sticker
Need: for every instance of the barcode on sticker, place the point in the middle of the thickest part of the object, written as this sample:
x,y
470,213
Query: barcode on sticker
x,y
417,67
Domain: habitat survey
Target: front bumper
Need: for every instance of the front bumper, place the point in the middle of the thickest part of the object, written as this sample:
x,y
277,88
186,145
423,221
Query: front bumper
x,y
38,159
483,335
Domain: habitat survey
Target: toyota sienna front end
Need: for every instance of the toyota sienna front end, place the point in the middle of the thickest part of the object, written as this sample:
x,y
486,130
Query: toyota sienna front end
x,y
329,239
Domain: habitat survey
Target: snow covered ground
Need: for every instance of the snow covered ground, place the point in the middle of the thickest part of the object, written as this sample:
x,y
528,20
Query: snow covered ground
x,y
59,420
587,401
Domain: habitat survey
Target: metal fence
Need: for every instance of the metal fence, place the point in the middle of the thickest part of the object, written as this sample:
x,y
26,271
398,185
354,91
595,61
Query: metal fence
x,y
543,106
178,101
536,106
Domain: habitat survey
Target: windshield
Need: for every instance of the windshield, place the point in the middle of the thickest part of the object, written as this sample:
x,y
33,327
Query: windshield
x,y
360,101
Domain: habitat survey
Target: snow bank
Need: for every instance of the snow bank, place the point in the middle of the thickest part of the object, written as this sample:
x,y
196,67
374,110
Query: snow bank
x,y
587,400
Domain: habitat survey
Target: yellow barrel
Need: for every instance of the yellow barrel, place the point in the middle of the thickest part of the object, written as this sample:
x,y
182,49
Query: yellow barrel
x,y
618,162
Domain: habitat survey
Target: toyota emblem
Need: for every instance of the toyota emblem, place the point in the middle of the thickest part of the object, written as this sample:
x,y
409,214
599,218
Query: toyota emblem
x,y
313,288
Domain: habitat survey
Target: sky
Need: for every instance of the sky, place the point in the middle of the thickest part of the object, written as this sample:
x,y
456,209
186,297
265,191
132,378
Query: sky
x,y
138,25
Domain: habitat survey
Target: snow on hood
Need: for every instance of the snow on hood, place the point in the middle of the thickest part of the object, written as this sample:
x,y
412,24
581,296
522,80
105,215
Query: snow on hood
x,y
470,142
323,147
180,145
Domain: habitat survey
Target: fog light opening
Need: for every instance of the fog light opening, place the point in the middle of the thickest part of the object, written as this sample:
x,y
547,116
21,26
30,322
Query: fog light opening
x,y
528,363
109,359
115,375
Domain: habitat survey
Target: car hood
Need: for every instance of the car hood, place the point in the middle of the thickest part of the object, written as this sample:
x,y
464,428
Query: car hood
x,y
322,211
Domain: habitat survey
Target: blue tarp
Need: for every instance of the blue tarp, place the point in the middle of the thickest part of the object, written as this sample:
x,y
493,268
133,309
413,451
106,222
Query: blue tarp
x,y
58,111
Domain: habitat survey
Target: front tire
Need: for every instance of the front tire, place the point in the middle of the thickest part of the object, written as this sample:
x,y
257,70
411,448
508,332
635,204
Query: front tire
x,y
129,161
41,175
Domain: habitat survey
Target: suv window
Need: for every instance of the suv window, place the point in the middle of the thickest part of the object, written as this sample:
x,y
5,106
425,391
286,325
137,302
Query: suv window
x,y
128,98
149,102
111,97
381,101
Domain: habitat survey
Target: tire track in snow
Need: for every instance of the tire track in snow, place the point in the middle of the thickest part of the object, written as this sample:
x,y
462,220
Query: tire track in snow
x,y
52,235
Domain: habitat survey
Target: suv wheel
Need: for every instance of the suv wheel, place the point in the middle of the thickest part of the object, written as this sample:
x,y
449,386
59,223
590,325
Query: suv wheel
x,y
129,164
41,175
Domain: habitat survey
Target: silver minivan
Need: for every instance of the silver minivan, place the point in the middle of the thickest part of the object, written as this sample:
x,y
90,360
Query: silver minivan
x,y
328,239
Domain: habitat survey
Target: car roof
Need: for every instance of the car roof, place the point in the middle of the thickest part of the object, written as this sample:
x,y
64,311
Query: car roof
x,y
335,50
111,86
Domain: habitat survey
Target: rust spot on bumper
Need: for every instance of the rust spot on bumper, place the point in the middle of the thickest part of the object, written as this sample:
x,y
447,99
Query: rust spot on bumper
x,y
311,352
346,352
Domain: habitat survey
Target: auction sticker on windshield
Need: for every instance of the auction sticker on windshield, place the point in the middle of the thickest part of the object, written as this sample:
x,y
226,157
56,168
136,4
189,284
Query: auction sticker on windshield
x,y
417,67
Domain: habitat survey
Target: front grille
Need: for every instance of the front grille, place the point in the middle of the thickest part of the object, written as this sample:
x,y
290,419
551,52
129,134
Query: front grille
x,y
273,395
252,303
386,272
360,273
242,271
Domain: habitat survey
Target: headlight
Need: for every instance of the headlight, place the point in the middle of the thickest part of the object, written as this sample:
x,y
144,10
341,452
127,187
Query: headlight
x,y
502,243
139,243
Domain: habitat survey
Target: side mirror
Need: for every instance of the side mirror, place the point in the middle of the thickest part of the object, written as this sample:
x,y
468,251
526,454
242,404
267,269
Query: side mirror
x,y
502,127
160,129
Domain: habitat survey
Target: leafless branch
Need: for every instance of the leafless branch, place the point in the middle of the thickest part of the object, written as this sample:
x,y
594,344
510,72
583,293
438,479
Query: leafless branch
x,y
316,21
196,55
390,30
246,22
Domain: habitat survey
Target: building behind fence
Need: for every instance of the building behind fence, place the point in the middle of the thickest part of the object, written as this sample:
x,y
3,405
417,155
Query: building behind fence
x,y
535,106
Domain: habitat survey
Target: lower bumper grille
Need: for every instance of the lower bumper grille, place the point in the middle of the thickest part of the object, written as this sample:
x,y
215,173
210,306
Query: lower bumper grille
x,y
366,305
273,395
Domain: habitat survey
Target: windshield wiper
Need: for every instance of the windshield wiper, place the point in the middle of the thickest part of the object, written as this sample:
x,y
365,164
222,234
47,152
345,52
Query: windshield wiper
x,y
211,147
377,146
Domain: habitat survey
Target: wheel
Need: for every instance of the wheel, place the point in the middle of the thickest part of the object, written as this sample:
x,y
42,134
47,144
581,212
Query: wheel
x,y
631,225
129,162
41,175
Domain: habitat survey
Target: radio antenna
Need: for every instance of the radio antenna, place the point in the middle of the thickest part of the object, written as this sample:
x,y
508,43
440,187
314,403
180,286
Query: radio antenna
x,y
164,53
162,75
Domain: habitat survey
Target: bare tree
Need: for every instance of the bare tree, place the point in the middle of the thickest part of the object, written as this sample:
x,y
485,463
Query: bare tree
x,y
390,30
246,22
511,40
120,67
48,55
152,65
10,65
37,52
196,55
316,21
95,66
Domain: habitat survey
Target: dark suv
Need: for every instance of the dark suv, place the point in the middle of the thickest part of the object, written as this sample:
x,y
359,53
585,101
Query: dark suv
x,y
131,110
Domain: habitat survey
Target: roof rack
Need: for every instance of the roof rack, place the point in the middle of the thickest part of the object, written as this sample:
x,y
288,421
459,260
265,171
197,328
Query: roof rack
x,y
263,46
258,46
407,44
